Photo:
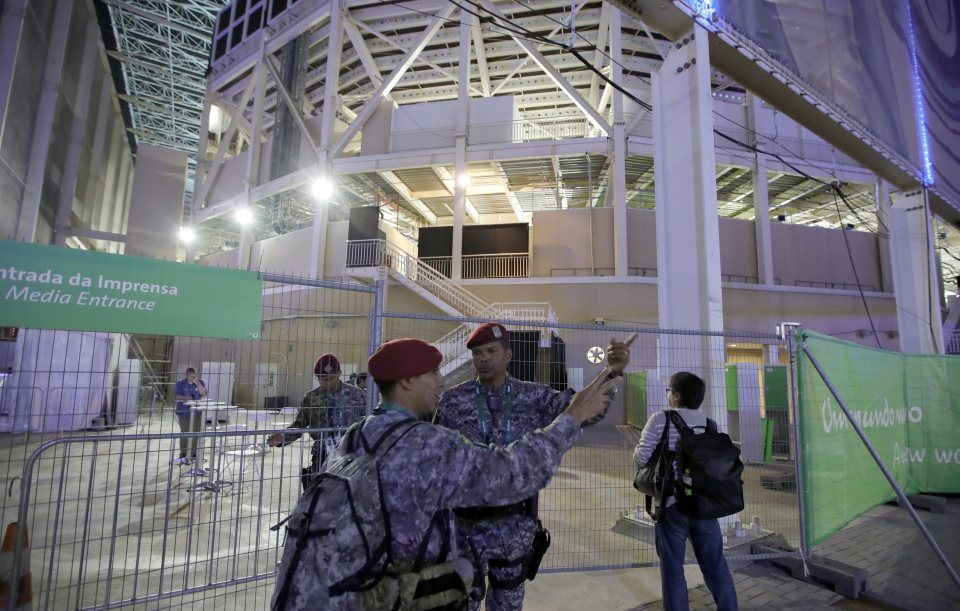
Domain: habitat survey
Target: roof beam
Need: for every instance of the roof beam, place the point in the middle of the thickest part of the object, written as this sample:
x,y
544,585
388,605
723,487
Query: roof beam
x,y
594,117
159,19
481,55
447,179
386,86
404,192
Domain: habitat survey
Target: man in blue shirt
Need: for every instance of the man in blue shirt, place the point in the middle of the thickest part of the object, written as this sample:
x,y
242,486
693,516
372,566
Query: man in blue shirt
x,y
190,388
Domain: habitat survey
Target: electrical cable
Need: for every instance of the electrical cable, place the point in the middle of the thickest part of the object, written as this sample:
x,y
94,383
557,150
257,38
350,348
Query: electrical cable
x,y
856,276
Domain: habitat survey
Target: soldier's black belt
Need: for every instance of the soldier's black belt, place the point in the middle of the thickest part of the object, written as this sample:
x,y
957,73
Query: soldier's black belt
x,y
495,513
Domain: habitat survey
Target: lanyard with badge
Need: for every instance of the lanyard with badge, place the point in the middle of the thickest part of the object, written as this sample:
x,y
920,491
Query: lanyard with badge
x,y
507,407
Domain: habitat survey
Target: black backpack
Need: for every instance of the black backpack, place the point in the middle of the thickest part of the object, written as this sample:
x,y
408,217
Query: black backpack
x,y
708,482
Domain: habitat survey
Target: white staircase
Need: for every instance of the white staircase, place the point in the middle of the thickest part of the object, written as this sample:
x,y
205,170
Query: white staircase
x,y
448,296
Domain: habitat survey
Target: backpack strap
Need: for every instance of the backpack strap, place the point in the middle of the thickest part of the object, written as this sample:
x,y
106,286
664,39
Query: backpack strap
x,y
679,422
663,446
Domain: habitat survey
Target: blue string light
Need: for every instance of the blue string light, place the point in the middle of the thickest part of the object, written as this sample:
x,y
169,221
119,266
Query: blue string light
x,y
918,102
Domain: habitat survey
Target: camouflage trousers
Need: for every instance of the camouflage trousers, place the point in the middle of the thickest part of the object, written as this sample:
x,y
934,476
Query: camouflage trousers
x,y
498,599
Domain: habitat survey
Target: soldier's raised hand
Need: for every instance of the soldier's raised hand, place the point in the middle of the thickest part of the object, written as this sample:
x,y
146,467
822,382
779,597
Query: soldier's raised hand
x,y
618,354
593,400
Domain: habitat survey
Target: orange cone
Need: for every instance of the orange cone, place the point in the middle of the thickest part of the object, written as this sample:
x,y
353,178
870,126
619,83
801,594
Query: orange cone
x,y
7,556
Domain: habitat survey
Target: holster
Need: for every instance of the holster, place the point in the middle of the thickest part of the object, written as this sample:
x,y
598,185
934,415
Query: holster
x,y
541,543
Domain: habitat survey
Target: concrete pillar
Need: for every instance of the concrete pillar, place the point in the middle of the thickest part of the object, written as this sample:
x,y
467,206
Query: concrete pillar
x,y
882,203
460,157
98,156
915,279
43,126
318,240
688,237
618,170
11,25
81,103
761,198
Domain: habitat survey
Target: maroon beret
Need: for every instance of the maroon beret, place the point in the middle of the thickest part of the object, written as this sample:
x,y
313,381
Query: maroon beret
x,y
403,358
327,364
486,333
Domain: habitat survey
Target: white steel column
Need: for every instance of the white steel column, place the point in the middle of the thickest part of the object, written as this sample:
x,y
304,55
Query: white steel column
x,y
328,120
688,238
71,165
460,161
252,178
618,164
761,198
98,157
43,126
882,203
916,285
11,25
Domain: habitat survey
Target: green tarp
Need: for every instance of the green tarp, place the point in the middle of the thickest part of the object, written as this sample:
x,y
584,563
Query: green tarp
x,y
909,408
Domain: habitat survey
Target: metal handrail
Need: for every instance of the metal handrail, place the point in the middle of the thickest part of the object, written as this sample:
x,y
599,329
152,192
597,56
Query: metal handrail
x,y
433,281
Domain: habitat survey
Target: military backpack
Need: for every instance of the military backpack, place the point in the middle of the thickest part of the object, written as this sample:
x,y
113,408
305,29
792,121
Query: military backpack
x,y
338,549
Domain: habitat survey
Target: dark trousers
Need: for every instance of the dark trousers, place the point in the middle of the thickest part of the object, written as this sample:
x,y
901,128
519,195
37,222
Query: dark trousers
x,y
190,423
672,532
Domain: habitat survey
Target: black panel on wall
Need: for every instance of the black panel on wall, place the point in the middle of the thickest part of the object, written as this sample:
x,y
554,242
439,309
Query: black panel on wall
x,y
494,239
364,223
435,242
477,240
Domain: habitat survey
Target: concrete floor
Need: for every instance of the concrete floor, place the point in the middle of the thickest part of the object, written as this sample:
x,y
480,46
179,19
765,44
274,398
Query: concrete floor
x,y
112,521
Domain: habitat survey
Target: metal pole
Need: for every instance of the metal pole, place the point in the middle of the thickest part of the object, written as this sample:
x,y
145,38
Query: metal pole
x,y
904,502
376,334
789,332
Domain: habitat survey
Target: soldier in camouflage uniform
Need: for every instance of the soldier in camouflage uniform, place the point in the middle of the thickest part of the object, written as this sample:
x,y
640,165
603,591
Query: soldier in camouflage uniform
x,y
495,409
333,404
432,470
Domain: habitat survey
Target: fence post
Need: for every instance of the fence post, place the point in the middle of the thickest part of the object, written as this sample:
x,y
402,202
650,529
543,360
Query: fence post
x,y
789,331
375,336
904,502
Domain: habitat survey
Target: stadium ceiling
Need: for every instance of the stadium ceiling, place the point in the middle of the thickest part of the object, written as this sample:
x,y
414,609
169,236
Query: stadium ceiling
x,y
159,52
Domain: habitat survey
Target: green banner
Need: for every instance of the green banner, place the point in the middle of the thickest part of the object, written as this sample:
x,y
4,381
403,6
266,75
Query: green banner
x,y
52,287
909,408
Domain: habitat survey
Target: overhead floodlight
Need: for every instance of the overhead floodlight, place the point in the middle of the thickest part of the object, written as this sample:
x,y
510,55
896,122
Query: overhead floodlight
x,y
187,235
217,120
244,215
463,180
322,189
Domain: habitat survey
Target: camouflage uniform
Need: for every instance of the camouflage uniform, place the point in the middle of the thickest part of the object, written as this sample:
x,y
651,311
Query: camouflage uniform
x,y
432,469
320,409
505,540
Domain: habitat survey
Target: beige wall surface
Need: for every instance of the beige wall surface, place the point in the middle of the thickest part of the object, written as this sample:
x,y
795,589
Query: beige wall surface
x,y
814,256
579,242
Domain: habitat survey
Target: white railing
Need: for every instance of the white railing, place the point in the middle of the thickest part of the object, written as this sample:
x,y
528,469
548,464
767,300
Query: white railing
x,y
441,264
511,265
953,343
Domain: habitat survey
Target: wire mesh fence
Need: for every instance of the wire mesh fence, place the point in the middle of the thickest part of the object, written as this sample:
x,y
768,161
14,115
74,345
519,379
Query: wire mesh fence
x,y
595,516
114,516
116,520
